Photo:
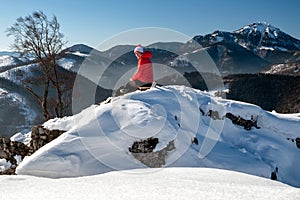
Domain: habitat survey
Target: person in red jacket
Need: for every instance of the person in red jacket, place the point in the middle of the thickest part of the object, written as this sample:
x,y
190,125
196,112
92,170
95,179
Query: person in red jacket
x,y
144,74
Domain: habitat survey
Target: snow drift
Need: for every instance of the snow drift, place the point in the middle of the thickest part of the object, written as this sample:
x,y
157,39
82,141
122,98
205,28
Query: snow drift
x,y
97,140
167,183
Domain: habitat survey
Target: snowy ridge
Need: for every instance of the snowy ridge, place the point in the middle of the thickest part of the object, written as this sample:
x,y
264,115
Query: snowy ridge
x,y
18,74
98,138
13,58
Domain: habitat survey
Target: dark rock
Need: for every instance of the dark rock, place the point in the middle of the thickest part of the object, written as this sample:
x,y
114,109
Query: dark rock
x,y
214,115
39,137
144,146
298,142
274,174
202,112
8,150
247,124
143,151
195,141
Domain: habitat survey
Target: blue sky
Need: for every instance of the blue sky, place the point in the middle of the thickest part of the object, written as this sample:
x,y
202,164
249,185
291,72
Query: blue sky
x,y
93,21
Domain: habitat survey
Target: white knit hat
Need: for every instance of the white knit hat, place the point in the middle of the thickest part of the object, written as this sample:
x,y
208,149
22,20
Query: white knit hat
x,y
138,48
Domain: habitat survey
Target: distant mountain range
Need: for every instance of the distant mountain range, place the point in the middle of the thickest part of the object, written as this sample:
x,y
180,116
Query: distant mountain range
x,y
255,48
259,47
252,48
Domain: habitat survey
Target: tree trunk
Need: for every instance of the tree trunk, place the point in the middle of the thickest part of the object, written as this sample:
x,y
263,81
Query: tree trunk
x,y
59,106
45,98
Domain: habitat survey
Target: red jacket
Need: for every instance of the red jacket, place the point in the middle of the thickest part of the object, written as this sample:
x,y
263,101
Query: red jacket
x,y
145,71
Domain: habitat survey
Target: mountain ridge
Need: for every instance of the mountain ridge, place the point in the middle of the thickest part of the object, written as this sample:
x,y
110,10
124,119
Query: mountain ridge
x,y
250,49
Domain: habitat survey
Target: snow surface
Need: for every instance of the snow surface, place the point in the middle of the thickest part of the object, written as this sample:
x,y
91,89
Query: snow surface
x,y
167,183
78,53
66,63
21,137
282,68
6,60
4,165
9,57
18,74
98,138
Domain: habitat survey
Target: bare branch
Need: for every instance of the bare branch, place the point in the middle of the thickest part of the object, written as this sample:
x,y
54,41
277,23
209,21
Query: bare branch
x,y
40,36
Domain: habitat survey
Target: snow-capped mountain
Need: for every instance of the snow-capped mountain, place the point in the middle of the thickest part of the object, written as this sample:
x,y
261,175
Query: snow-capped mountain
x,y
255,37
250,48
263,36
192,129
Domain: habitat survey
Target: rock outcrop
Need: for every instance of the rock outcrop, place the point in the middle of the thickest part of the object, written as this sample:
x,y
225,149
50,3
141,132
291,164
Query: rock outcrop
x,y
10,149
41,136
237,120
143,151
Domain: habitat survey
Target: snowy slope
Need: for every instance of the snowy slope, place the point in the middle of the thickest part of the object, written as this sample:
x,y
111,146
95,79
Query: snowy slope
x,y
19,101
98,138
169,183
10,104
6,60
19,74
9,59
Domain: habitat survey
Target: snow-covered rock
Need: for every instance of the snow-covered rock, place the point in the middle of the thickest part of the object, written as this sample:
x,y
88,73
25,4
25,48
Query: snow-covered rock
x,y
97,140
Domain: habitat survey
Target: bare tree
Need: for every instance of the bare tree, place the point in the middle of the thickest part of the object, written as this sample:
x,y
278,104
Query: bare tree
x,y
36,34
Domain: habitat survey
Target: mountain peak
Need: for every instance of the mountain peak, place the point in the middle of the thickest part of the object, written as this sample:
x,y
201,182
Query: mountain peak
x,y
82,48
264,35
260,27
